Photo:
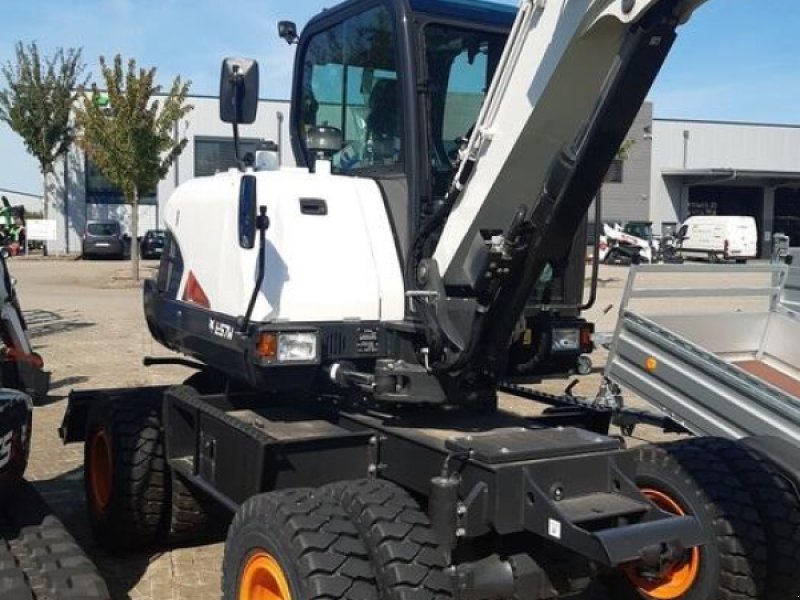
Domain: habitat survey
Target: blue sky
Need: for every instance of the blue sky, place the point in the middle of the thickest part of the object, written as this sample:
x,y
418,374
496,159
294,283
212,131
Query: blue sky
x,y
736,60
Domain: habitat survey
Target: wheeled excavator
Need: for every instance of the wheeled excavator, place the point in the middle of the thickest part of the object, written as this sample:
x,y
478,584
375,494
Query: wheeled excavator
x,y
352,323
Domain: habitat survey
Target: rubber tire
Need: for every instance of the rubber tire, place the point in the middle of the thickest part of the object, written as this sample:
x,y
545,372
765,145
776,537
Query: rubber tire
x,y
44,562
189,513
139,499
189,518
779,508
408,560
733,564
207,381
312,539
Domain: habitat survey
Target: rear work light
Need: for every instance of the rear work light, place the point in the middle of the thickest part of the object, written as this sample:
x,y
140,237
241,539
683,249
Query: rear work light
x,y
566,340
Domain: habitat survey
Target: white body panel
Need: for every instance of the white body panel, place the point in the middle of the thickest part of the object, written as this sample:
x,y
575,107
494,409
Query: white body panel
x,y
558,57
726,237
334,267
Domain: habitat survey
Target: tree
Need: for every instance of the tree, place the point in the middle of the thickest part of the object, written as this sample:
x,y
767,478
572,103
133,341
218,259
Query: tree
x,y
37,101
130,137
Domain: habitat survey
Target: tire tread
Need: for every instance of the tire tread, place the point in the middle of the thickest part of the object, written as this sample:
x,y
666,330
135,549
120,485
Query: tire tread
x,y
409,562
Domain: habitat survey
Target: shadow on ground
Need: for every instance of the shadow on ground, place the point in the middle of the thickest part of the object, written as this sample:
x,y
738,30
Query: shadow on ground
x,y
66,498
46,322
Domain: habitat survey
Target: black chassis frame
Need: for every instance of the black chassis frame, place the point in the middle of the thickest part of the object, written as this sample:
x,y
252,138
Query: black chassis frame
x,y
558,480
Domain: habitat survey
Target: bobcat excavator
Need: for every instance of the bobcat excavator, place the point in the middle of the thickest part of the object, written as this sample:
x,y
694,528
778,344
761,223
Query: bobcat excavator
x,y
352,322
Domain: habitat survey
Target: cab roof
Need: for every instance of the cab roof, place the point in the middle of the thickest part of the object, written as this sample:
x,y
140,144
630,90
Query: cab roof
x,y
481,11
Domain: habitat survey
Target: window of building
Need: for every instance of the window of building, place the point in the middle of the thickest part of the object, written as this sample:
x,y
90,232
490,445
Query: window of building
x,y
350,82
213,155
615,171
99,190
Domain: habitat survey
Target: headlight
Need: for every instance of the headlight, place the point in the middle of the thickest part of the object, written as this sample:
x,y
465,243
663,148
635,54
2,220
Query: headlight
x,y
566,340
297,347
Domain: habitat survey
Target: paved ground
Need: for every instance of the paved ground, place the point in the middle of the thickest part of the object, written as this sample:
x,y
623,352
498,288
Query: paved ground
x,y
87,322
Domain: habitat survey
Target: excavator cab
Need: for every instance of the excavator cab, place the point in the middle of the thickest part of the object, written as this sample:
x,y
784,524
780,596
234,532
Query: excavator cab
x,y
404,82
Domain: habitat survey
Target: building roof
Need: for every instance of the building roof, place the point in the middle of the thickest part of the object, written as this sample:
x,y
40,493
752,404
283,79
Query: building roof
x,y
709,176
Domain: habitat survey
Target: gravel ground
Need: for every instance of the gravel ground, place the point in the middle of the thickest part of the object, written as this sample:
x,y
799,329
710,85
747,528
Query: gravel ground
x,y
86,320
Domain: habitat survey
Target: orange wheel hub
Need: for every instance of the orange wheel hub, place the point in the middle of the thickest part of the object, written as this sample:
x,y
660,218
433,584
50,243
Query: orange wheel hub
x,y
100,470
263,579
678,579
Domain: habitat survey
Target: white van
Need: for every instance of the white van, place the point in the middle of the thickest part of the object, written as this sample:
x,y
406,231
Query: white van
x,y
719,238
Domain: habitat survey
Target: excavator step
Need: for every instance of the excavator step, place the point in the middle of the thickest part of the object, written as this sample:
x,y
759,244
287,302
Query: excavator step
x,y
598,506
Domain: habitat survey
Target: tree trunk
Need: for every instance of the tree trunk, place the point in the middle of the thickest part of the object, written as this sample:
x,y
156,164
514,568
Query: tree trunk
x,y
45,208
135,235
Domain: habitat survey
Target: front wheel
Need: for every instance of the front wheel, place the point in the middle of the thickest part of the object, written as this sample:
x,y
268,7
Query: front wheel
x,y
683,478
295,545
408,559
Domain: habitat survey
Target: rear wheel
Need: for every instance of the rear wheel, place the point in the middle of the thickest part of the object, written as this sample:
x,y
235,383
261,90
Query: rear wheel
x,y
683,478
190,511
125,473
295,545
207,381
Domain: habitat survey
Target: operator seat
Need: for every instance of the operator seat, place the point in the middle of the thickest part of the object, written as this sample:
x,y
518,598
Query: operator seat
x,y
383,123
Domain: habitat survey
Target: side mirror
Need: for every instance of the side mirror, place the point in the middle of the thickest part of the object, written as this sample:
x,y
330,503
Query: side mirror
x,y
238,91
287,30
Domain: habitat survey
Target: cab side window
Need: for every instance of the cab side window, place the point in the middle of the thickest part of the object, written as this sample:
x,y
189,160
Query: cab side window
x,y
350,82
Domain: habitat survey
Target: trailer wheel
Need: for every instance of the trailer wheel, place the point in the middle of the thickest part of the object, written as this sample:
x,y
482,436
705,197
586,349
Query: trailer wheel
x,y
295,545
125,473
685,478
408,560
779,507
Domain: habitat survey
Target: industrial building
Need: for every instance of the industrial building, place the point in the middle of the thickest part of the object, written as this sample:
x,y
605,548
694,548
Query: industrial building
x,y
671,169
80,193
719,168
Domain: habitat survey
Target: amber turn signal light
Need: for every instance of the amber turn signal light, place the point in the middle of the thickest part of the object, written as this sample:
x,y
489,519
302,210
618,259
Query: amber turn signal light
x,y
267,346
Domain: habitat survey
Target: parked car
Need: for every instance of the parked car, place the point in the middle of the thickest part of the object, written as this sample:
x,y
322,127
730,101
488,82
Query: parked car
x,y
719,238
103,238
152,244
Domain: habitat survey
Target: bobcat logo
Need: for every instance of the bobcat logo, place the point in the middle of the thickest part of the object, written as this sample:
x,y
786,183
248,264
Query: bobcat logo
x,y
5,448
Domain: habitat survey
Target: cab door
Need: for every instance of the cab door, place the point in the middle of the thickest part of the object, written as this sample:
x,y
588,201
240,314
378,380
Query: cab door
x,y
349,76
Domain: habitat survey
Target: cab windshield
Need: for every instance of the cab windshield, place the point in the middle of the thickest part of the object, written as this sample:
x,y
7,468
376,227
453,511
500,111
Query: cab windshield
x,y
351,81
461,63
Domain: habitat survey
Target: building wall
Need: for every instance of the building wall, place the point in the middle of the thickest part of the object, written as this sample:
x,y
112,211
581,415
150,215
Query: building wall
x,y
711,145
630,200
68,204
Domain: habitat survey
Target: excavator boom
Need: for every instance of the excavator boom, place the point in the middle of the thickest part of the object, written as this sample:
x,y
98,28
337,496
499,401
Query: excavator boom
x,y
572,78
